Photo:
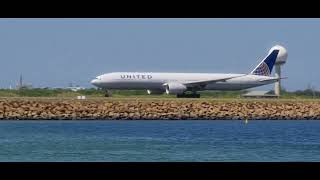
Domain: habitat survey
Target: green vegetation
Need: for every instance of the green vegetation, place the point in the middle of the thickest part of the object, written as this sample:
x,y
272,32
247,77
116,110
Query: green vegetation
x,y
37,92
31,93
300,94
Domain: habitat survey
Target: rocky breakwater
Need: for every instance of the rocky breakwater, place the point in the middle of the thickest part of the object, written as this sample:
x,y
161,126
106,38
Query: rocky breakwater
x,y
157,109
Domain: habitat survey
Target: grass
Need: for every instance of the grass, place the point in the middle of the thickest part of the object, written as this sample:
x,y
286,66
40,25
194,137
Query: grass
x,y
142,94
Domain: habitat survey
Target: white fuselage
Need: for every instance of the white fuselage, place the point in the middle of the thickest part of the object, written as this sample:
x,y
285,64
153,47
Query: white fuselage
x,y
156,81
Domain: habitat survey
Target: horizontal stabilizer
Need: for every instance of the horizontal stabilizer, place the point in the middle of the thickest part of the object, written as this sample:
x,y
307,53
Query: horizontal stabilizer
x,y
273,79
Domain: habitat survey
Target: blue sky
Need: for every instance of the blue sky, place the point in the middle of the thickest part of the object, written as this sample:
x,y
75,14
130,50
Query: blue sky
x,y
56,52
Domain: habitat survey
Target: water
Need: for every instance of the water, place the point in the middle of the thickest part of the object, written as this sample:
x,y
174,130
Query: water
x,y
159,141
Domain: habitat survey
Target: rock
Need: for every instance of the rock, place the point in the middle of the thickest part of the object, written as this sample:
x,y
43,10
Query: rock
x,y
158,109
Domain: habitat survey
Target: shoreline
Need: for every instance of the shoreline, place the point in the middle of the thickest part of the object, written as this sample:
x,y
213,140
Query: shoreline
x,y
157,109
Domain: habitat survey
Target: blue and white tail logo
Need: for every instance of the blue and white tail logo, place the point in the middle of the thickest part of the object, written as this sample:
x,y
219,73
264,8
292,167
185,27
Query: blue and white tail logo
x,y
265,67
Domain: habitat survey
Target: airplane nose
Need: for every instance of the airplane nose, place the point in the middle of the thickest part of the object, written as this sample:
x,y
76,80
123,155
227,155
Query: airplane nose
x,y
95,82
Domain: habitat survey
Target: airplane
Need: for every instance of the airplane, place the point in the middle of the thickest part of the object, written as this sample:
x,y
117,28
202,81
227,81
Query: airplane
x,y
181,83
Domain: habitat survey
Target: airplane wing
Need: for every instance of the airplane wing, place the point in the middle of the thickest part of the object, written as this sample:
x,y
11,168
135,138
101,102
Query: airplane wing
x,y
205,82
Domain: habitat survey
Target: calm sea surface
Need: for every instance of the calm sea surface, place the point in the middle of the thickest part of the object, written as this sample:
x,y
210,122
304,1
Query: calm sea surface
x,y
159,141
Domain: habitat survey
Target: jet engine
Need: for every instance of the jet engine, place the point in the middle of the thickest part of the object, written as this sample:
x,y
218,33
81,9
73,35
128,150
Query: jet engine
x,y
175,88
157,92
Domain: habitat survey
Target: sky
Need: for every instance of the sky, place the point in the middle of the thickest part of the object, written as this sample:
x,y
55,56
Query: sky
x,y
57,52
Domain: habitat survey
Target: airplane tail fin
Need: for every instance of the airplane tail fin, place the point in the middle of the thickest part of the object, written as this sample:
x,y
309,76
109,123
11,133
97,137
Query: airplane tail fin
x,y
264,68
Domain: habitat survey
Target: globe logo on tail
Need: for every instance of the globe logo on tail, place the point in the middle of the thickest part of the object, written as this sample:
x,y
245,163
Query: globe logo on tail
x,y
262,70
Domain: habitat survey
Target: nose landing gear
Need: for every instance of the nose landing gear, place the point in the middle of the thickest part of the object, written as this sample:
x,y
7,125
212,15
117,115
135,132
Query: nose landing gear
x,y
108,94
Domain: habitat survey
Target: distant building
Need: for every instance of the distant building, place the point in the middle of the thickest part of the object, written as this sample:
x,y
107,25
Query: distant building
x,y
21,85
259,94
74,88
